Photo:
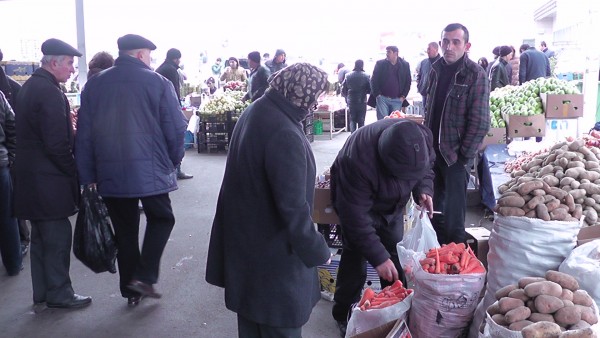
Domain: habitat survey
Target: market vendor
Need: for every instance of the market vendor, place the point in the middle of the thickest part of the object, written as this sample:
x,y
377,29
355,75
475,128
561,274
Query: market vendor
x,y
233,72
372,179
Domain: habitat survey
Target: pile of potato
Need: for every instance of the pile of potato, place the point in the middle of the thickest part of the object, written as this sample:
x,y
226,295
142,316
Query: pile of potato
x,y
562,185
545,307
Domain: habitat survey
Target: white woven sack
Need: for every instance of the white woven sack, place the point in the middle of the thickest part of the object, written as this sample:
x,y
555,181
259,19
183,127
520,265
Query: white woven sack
x,y
584,264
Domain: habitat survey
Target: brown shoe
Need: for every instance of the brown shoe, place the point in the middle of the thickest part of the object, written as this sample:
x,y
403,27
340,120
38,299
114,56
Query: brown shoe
x,y
143,288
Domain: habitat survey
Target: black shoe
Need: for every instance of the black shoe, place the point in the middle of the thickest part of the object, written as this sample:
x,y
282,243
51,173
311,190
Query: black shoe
x,y
342,327
76,302
134,300
183,176
143,289
24,249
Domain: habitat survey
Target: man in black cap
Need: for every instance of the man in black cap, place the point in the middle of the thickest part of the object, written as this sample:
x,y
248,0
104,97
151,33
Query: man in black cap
x,y
278,62
46,185
169,69
372,179
129,141
258,79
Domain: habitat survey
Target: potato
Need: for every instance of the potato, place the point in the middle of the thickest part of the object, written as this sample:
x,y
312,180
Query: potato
x,y
591,175
506,304
541,317
588,201
565,280
499,319
527,187
578,211
518,173
559,174
543,288
576,144
566,181
553,204
575,185
575,164
493,309
584,181
566,295
579,200
541,330
548,304
559,214
524,281
587,314
591,215
558,193
503,188
575,172
518,326
531,164
511,201
511,211
577,193
582,324
538,192
591,164
590,188
551,180
556,149
531,305
568,315
570,202
567,302
518,314
535,201
580,333
541,210
503,292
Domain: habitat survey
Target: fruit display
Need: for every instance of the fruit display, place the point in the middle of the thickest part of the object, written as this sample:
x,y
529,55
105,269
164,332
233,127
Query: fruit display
x,y
525,99
230,101
234,86
549,306
560,184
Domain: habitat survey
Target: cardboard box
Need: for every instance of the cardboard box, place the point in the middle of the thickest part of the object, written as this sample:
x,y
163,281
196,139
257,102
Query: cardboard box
x,y
526,126
323,212
378,332
400,330
494,136
477,239
562,106
588,234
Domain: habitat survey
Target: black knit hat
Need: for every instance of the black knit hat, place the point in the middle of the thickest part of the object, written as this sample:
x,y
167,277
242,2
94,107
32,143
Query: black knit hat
x,y
173,53
505,50
403,150
496,51
58,47
254,56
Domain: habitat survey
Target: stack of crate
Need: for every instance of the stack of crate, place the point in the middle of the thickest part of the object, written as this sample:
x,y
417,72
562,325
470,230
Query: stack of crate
x,y
215,132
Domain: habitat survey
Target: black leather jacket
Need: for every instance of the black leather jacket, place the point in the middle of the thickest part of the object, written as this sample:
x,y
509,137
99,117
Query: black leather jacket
x,y
8,136
355,87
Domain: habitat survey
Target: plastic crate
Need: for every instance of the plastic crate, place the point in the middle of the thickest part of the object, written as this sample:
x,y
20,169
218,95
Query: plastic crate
x,y
214,137
332,234
213,127
217,118
212,147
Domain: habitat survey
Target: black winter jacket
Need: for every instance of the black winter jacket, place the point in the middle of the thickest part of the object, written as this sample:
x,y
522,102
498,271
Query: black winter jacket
x,y
365,193
355,87
258,80
380,75
169,70
8,137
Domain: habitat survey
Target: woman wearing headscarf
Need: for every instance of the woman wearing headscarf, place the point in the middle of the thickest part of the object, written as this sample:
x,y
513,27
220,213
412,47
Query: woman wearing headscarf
x,y
264,249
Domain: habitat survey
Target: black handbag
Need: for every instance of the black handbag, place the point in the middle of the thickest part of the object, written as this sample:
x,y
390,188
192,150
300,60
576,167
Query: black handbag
x,y
94,241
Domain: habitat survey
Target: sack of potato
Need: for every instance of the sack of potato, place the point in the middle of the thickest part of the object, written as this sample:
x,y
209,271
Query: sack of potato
x,y
584,264
550,306
522,246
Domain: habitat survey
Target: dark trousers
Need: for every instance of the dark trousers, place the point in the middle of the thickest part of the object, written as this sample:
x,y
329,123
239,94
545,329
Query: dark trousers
x,y
250,329
357,112
450,197
51,260
352,271
125,216
10,245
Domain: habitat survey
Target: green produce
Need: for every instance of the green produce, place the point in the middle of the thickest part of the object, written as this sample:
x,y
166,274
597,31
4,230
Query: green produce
x,y
230,101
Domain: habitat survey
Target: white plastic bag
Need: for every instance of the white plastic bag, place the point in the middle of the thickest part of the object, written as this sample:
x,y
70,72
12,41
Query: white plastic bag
x,y
584,264
421,237
523,247
443,305
362,321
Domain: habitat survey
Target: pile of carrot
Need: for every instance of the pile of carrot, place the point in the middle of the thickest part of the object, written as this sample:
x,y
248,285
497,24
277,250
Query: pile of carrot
x,y
452,259
390,295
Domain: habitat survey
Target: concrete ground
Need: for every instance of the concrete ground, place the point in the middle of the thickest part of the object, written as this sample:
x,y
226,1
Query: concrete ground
x,y
190,307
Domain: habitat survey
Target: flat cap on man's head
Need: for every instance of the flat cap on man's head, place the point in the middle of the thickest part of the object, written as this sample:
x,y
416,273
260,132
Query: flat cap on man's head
x,y
133,41
58,47
173,53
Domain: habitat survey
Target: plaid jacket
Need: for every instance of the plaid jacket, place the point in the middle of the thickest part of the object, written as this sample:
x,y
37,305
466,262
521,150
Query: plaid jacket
x,y
466,115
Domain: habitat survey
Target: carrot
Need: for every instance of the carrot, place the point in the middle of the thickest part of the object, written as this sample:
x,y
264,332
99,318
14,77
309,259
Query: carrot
x,y
473,264
386,304
396,285
425,266
467,260
463,258
437,259
367,295
455,268
427,261
431,269
448,258
448,248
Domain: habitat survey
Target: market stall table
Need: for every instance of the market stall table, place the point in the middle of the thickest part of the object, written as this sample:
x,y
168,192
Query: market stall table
x,y
326,111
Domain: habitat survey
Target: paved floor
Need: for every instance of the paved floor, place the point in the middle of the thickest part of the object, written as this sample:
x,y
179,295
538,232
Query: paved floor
x,y
189,307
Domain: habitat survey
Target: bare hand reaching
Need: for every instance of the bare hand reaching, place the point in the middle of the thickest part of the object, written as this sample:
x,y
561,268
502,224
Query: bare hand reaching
x,y
387,270
426,204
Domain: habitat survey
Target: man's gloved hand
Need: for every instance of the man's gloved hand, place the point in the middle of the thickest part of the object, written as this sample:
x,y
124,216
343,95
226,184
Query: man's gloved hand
x,y
387,270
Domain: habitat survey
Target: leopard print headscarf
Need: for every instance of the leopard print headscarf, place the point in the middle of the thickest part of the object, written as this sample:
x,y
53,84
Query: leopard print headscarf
x,y
301,84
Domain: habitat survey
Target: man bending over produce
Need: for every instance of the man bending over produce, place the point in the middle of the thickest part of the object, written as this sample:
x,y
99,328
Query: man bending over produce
x,y
372,179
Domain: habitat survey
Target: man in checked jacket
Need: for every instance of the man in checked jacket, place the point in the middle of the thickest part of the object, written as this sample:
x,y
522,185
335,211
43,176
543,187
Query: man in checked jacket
x,y
459,118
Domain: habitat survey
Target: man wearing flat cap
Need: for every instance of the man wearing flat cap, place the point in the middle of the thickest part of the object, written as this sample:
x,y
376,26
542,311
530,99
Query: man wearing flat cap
x,y
170,70
258,79
46,186
278,61
369,192
129,143
498,75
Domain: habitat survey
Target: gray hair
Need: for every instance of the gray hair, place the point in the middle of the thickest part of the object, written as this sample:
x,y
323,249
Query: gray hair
x,y
131,52
47,59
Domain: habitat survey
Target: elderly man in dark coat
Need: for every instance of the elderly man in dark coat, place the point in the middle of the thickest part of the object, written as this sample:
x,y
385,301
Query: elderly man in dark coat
x,y
372,180
46,187
264,248
129,142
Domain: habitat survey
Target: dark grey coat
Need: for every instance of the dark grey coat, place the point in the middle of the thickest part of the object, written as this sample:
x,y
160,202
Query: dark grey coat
x,y
46,186
264,248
